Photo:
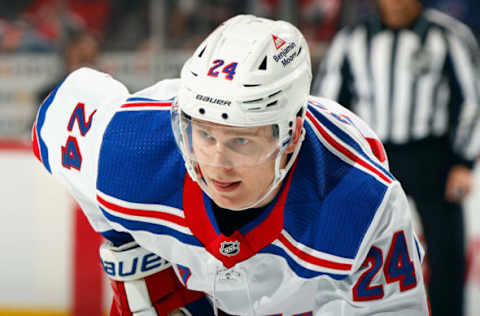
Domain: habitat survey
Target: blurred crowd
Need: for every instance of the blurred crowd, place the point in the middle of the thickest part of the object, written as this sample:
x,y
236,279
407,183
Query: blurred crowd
x,y
46,25
75,33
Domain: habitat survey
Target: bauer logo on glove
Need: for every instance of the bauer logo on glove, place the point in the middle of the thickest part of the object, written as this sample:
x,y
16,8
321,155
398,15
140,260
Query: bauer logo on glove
x,y
129,261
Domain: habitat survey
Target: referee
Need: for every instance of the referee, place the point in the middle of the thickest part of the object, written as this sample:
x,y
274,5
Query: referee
x,y
413,75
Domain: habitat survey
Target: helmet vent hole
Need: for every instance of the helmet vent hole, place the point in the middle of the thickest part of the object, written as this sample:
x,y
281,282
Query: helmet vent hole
x,y
252,101
255,108
275,93
201,53
299,50
263,65
224,116
272,103
251,85
194,74
201,110
290,124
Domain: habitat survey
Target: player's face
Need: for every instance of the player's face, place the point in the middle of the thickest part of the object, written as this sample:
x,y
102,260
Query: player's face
x,y
236,188
237,163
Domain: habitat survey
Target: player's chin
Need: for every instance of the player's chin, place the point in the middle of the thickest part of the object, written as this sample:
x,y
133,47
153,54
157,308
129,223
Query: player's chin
x,y
229,201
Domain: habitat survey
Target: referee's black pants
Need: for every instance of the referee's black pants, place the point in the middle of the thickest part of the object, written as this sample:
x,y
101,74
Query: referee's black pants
x,y
422,169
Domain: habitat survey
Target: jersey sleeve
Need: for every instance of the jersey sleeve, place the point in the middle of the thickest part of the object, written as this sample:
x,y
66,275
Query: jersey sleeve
x,y
463,67
68,131
387,276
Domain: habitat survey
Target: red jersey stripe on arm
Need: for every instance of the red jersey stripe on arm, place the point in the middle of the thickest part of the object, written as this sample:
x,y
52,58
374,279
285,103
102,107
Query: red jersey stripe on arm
x,y
35,147
345,151
377,148
137,104
145,213
313,260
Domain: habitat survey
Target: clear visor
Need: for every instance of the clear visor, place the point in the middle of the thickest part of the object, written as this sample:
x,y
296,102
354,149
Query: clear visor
x,y
225,146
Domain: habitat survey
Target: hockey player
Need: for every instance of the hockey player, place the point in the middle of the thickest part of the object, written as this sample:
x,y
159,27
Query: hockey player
x,y
230,190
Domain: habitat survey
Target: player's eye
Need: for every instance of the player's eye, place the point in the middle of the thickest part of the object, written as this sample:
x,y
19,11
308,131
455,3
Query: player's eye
x,y
241,141
205,134
242,145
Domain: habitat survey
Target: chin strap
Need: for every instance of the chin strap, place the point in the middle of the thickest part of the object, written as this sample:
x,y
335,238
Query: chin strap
x,y
280,173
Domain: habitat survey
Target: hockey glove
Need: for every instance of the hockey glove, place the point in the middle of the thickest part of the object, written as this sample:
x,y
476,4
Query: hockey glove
x,y
143,283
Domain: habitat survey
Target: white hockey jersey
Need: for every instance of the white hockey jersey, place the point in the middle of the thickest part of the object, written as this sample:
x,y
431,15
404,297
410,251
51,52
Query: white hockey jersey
x,y
337,240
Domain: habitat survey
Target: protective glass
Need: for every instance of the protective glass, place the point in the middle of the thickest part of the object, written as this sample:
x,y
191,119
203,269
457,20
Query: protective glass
x,y
225,146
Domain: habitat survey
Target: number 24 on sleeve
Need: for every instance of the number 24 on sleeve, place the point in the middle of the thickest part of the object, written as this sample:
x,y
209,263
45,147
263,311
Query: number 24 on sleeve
x,y
398,267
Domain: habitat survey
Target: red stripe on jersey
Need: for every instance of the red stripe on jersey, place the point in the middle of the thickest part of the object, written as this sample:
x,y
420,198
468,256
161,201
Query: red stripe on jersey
x,y
377,148
137,104
146,213
35,147
345,151
313,260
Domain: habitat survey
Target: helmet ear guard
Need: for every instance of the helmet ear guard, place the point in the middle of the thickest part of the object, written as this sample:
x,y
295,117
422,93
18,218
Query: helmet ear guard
x,y
248,72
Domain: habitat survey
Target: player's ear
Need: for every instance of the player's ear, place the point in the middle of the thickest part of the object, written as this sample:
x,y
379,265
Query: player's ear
x,y
296,135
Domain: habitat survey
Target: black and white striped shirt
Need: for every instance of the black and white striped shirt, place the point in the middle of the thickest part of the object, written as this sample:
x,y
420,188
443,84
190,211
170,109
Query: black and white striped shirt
x,y
408,84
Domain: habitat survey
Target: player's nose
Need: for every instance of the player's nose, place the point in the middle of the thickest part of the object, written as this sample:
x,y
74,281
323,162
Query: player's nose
x,y
222,157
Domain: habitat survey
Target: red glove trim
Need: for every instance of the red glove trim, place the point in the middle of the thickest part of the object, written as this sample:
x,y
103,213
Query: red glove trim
x,y
165,290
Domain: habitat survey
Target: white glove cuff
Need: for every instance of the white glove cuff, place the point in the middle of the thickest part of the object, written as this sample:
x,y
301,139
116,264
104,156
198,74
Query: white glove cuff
x,y
130,261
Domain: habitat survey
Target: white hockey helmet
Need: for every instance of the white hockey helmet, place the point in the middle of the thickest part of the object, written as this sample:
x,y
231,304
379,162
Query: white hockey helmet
x,y
249,72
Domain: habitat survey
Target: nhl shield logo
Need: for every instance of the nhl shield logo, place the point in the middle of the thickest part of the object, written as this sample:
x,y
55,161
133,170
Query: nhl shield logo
x,y
230,248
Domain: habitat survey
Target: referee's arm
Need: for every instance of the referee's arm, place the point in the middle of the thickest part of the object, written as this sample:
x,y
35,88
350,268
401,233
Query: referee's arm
x,y
463,70
464,108
334,77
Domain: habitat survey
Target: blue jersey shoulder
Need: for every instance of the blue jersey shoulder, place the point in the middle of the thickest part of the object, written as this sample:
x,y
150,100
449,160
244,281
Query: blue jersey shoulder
x,y
336,190
139,161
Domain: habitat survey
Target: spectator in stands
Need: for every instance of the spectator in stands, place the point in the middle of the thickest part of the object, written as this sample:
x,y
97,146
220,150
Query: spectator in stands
x,y
81,49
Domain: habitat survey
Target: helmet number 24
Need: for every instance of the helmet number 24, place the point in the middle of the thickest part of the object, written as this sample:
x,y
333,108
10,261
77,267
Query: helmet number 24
x,y
229,69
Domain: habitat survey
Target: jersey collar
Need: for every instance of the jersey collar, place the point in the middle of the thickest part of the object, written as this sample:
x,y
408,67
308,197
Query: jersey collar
x,y
243,243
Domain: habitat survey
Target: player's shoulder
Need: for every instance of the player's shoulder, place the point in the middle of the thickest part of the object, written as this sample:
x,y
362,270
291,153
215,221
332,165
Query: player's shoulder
x,y
86,98
92,88
163,89
94,85
338,186
338,138
332,110
331,208
325,115
139,145
91,83
335,192
157,97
